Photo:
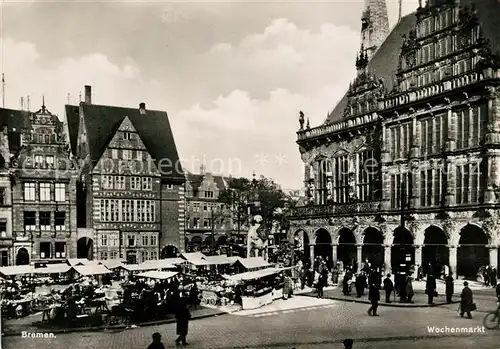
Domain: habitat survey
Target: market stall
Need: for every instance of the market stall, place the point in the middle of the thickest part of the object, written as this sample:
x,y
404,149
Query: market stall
x,y
259,287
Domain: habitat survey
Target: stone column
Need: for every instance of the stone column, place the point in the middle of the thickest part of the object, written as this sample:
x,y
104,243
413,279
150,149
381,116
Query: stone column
x,y
311,252
387,259
418,255
452,251
494,256
359,256
451,182
334,253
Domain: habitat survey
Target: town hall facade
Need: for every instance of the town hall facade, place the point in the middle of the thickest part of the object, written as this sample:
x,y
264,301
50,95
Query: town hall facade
x,y
406,168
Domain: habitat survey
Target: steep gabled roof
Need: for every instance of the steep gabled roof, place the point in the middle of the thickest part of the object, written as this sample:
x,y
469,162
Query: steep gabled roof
x,y
16,121
102,122
196,179
384,64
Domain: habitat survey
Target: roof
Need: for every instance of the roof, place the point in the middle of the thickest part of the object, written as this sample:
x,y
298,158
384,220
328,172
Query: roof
x,y
102,122
161,275
17,270
384,63
252,275
57,268
193,256
112,263
80,261
16,121
253,262
217,260
196,179
157,264
95,269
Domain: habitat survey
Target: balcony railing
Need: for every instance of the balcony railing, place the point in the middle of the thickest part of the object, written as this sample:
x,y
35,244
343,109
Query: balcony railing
x,y
335,209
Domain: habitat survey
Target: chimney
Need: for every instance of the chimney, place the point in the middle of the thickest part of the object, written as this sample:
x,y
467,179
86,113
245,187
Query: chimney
x,y
88,94
142,108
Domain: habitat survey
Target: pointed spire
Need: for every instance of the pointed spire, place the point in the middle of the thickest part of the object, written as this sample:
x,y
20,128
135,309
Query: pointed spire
x,y
375,25
43,102
308,125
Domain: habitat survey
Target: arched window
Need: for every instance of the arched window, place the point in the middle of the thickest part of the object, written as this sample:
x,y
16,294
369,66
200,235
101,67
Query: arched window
x,y
367,171
340,179
324,171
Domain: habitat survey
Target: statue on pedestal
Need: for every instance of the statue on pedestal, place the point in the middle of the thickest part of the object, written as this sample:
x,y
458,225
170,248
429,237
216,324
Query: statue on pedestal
x,y
301,120
258,238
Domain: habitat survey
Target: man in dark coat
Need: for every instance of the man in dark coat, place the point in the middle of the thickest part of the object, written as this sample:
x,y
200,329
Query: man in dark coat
x,y
450,288
157,344
466,301
182,316
430,288
360,284
345,282
374,297
388,287
493,277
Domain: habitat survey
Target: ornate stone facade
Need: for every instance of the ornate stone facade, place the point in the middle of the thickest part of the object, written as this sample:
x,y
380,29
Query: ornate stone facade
x,y
425,111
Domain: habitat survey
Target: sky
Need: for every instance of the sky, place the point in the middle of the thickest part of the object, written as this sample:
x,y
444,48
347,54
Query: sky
x,y
232,75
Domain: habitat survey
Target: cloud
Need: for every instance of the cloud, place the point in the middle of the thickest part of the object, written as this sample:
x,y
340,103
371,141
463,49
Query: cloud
x,y
28,75
281,70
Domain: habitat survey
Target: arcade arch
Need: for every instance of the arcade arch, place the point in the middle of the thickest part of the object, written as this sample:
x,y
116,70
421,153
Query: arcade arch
x,y
373,249
402,251
346,250
323,246
169,251
22,257
85,248
435,251
472,251
302,247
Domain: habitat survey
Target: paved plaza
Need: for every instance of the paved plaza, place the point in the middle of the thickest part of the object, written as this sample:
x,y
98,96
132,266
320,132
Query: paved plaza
x,y
307,326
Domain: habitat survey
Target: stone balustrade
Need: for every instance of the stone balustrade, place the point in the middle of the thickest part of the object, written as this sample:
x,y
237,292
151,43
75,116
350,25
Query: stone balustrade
x,y
332,209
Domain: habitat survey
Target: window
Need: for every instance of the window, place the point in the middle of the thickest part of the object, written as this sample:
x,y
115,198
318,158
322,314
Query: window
x,y
49,159
3,196
139,155
113,255
367,171
113,240
29,191
131,240
401,137
471,125
144,256
400,189
154,240
209,194
127,154
468,179
135,183
104,239
196,223
44,191
60,191
341,179
434,131
60,249
45,250
4,258
154,255
29,220
104,255
119,182
60,220
44,220
170,186
205,208
38,161
145,240
147,183
114,153
3,229
128,210
127,135
107,182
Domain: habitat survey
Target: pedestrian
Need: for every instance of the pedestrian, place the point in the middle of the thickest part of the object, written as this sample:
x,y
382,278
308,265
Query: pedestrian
x,y
409,289
182,316
430,288
345,282
348,343
486,276
388,287
322,282
494,277
157,344
374,297
466,301
360,284
449,288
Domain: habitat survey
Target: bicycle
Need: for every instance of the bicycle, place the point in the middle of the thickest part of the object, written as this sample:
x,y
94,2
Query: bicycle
x,y
492,319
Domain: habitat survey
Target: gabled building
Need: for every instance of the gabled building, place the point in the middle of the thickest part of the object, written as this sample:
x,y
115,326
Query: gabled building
x,y
208,223
131,185
43,178
13,123
405,170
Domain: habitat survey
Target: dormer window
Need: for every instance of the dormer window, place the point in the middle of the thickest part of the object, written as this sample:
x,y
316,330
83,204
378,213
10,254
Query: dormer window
x,y
127,135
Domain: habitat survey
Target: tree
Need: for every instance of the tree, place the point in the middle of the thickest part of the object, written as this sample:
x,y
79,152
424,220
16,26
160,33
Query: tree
x,y
235,197
274,203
